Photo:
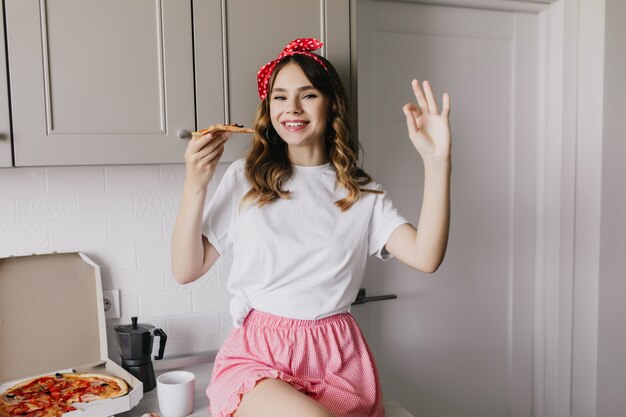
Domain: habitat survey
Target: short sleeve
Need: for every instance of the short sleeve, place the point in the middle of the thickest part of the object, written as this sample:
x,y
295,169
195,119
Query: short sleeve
x,y
384,220
220,214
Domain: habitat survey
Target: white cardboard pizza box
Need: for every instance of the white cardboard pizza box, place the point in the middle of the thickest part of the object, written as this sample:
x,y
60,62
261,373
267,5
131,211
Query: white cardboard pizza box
x,y
52,320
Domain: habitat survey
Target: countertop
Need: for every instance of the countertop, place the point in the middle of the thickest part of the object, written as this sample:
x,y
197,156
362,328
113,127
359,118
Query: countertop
x,y
149,403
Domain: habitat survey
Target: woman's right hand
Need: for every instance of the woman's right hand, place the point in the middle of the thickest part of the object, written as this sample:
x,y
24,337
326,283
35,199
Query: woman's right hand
x,y
202,156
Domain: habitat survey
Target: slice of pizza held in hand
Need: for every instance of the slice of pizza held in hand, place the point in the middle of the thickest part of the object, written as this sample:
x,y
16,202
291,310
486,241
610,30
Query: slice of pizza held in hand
x,y
235,128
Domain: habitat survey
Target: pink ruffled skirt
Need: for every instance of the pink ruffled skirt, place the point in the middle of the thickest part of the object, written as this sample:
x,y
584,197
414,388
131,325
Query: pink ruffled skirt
x,y
327,359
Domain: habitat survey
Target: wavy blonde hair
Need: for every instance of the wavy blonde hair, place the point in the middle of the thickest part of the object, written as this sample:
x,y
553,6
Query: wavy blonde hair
x,y
267,165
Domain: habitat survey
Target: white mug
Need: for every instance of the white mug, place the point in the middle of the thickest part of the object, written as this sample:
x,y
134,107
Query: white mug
x,y
175,392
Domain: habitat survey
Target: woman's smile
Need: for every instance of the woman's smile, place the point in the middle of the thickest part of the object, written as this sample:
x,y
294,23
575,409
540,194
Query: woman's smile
x,y
298,110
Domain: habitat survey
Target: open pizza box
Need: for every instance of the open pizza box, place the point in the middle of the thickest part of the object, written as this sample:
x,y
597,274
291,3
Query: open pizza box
x,y
52,320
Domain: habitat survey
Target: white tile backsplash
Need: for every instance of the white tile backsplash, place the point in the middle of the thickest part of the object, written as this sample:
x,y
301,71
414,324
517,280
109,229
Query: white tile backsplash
x,y
153,254
22,181
135,229
129,307
112,256
46,207
132,178
74,234
7,209
122,218
75,179
24,238
106,205
164,305
199,326
138,281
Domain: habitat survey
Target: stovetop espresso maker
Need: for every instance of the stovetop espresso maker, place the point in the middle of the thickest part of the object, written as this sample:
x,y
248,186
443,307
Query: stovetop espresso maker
x,y
135,342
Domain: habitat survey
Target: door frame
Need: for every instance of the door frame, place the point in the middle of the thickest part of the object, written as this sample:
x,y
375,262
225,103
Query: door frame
x,y
569,144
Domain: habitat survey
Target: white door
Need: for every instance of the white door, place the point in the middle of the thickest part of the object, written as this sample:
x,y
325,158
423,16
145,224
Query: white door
x,y
459,342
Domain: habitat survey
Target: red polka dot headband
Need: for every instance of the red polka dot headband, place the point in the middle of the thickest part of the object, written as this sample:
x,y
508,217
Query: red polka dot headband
x,y
302,46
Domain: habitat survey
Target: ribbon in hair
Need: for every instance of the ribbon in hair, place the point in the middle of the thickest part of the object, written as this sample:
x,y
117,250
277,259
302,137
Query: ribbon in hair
x,y
302,46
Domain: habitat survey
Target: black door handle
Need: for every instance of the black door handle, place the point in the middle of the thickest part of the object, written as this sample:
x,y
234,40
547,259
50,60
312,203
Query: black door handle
x,y
362,299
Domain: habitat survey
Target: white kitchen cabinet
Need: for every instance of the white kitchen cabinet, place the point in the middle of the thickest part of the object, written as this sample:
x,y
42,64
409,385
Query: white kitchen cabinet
x,y
5,123
97,82
115,82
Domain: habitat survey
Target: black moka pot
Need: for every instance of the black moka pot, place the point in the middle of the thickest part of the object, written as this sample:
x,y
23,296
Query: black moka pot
x,y
135,342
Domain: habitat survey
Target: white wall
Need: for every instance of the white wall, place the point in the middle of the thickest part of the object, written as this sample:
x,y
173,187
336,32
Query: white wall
x,y
121,216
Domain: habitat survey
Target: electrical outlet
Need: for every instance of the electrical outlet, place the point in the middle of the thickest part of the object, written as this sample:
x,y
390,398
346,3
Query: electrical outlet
x,y
111,304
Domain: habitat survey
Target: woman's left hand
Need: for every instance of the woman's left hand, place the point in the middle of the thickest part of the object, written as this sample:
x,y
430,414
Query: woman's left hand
x,y
429,130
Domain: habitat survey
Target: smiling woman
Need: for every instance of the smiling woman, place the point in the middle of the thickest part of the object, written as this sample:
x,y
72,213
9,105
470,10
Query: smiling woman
x,y
300,218
299,114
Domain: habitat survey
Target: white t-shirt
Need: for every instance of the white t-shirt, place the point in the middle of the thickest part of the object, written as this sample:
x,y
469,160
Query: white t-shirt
x,y
301,258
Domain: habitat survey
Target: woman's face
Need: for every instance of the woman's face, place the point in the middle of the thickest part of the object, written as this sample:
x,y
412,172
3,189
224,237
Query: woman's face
x,y
297,109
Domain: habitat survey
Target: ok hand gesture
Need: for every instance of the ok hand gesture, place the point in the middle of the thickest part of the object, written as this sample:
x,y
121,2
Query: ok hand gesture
x,y
429,130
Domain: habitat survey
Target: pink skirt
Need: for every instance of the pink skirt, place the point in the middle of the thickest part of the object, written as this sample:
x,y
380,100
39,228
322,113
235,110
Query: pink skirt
x,y
327,359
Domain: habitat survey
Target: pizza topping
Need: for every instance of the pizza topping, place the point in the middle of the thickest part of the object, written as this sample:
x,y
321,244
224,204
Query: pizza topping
x,y
53,395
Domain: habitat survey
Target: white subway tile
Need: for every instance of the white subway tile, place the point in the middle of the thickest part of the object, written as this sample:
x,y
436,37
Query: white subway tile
x,y
129,307
159,323
153,254
78,233
211,299
133,178
7,209
172,176
106,205
138,281
124,230
112,256
157,203
24,238
198,326
22,181
168,226
164,305
46,207
75,179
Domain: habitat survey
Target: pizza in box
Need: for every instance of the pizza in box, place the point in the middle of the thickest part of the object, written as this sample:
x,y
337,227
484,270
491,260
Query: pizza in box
x,y
55,394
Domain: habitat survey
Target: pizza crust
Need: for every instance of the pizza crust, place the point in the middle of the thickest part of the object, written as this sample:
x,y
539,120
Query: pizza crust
x,y
222,128
120,382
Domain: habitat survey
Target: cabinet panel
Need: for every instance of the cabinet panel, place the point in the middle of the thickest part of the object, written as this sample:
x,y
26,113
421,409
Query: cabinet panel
x,y
337,39
270,25
100,82
5,124
208,49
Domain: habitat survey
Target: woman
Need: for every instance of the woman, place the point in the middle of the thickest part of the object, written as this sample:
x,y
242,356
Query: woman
x,y
300,218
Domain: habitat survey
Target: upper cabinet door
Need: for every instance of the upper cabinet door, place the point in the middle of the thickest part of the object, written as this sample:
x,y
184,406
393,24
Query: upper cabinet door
x,y
5,124
100,82
256,32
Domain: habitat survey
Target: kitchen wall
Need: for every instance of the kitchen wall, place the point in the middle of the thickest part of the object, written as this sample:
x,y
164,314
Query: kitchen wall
x,y
121,217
